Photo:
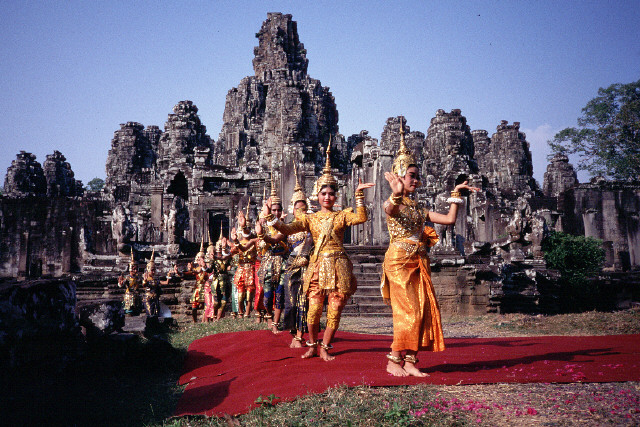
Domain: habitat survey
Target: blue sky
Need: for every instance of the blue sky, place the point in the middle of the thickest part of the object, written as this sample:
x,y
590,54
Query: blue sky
x,y
72,71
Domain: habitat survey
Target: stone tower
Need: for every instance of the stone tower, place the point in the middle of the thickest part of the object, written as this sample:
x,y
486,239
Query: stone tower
x,y
280,115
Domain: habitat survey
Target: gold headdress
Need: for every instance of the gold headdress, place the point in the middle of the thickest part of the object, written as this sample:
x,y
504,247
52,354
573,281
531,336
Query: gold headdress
x,y
404,158
326,178
211,247
201,253
220,243
151,264
275,200
132,263
298,192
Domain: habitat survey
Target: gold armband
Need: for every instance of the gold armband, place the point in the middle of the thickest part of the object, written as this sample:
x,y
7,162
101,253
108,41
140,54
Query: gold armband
x,y
395,200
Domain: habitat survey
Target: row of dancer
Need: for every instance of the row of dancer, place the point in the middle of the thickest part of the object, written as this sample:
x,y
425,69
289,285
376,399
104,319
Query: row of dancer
x,y
328,274
406,278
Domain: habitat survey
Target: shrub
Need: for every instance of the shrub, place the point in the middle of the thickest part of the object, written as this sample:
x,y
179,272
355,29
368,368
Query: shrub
x,y
578,259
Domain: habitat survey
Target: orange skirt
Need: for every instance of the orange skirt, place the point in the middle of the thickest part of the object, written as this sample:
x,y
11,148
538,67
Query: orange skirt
x,y
406,285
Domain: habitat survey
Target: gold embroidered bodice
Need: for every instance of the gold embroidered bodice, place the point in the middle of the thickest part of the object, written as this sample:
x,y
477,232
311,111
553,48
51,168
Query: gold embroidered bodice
x,y
328,259
248,256
327,228
409,222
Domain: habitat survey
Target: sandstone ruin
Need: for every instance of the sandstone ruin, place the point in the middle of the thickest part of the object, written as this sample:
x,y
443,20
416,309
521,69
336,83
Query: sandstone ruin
x,y
169,189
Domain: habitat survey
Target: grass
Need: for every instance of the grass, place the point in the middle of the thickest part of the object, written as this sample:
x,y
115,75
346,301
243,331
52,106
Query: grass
x,y
134,383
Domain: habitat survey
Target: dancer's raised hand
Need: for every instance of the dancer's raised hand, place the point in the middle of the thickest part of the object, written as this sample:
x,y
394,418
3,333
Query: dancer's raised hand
x,y
396,184
242,221
233,234
362,186
465,186
258,228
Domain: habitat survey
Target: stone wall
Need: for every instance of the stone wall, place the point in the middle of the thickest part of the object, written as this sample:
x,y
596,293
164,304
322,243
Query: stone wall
x,y
171,189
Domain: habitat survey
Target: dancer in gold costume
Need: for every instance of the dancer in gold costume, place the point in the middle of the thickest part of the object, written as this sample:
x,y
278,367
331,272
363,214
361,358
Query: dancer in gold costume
x,y
246,250
131,302
406,277
301,245
330,272
151,296
270,274
201,276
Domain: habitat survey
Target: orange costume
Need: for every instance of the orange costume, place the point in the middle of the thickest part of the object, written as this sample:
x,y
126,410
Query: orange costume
x,y
406,272
406,281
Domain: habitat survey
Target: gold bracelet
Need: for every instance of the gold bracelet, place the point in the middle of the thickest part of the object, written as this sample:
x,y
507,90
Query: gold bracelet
x,y
261,236
359,193
455,194
395,200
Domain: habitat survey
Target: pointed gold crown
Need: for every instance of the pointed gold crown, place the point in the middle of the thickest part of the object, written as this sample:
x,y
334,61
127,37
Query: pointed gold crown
x,y
219,244
246,213
275,199
151,264
298,191
326,178
201,252
133,261
211,247
405,157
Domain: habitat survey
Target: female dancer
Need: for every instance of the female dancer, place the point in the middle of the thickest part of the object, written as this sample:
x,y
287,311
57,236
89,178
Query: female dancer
x,y
330,272
295,300
270,272
245,277
406,274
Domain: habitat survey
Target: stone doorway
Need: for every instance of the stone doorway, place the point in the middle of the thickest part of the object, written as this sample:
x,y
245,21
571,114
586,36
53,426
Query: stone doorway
x,y
218,222
179,186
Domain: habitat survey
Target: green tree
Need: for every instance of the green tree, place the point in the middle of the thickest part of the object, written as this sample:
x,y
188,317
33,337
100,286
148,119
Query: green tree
x,y
95,184
578,259
607,139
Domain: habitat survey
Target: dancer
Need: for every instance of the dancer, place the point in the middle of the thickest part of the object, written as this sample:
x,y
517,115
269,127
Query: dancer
x,y
301,244
151,296
406,275
131,302
201,276
330,272
208,314
223,284
246,252
270,272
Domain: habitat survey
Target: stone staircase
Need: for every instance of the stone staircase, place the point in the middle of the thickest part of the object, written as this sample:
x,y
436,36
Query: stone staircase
x,y
367,267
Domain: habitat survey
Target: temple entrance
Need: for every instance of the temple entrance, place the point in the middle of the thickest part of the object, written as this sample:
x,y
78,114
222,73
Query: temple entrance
x,y
179,186
218,223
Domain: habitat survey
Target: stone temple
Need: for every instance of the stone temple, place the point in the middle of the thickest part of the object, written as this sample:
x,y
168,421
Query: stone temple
x,y
171,188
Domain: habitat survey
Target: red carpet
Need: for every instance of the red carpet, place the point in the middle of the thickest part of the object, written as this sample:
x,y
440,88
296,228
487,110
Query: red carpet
x,y
225,373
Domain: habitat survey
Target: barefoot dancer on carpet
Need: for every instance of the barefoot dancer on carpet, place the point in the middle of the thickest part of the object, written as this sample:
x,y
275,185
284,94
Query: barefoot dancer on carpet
x,y
270,272
406,274
245,277
330,270
301,244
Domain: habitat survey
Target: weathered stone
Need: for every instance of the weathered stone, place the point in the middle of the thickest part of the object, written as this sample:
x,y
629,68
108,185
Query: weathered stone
x,y
101,318
25,177
38,322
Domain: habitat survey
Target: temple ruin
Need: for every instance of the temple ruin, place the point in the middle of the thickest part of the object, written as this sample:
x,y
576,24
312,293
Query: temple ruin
x,y
168,189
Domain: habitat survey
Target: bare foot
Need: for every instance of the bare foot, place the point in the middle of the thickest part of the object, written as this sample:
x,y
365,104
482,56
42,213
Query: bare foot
x,y
411,369
324,355
295,344
395,369
274,329
313,351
